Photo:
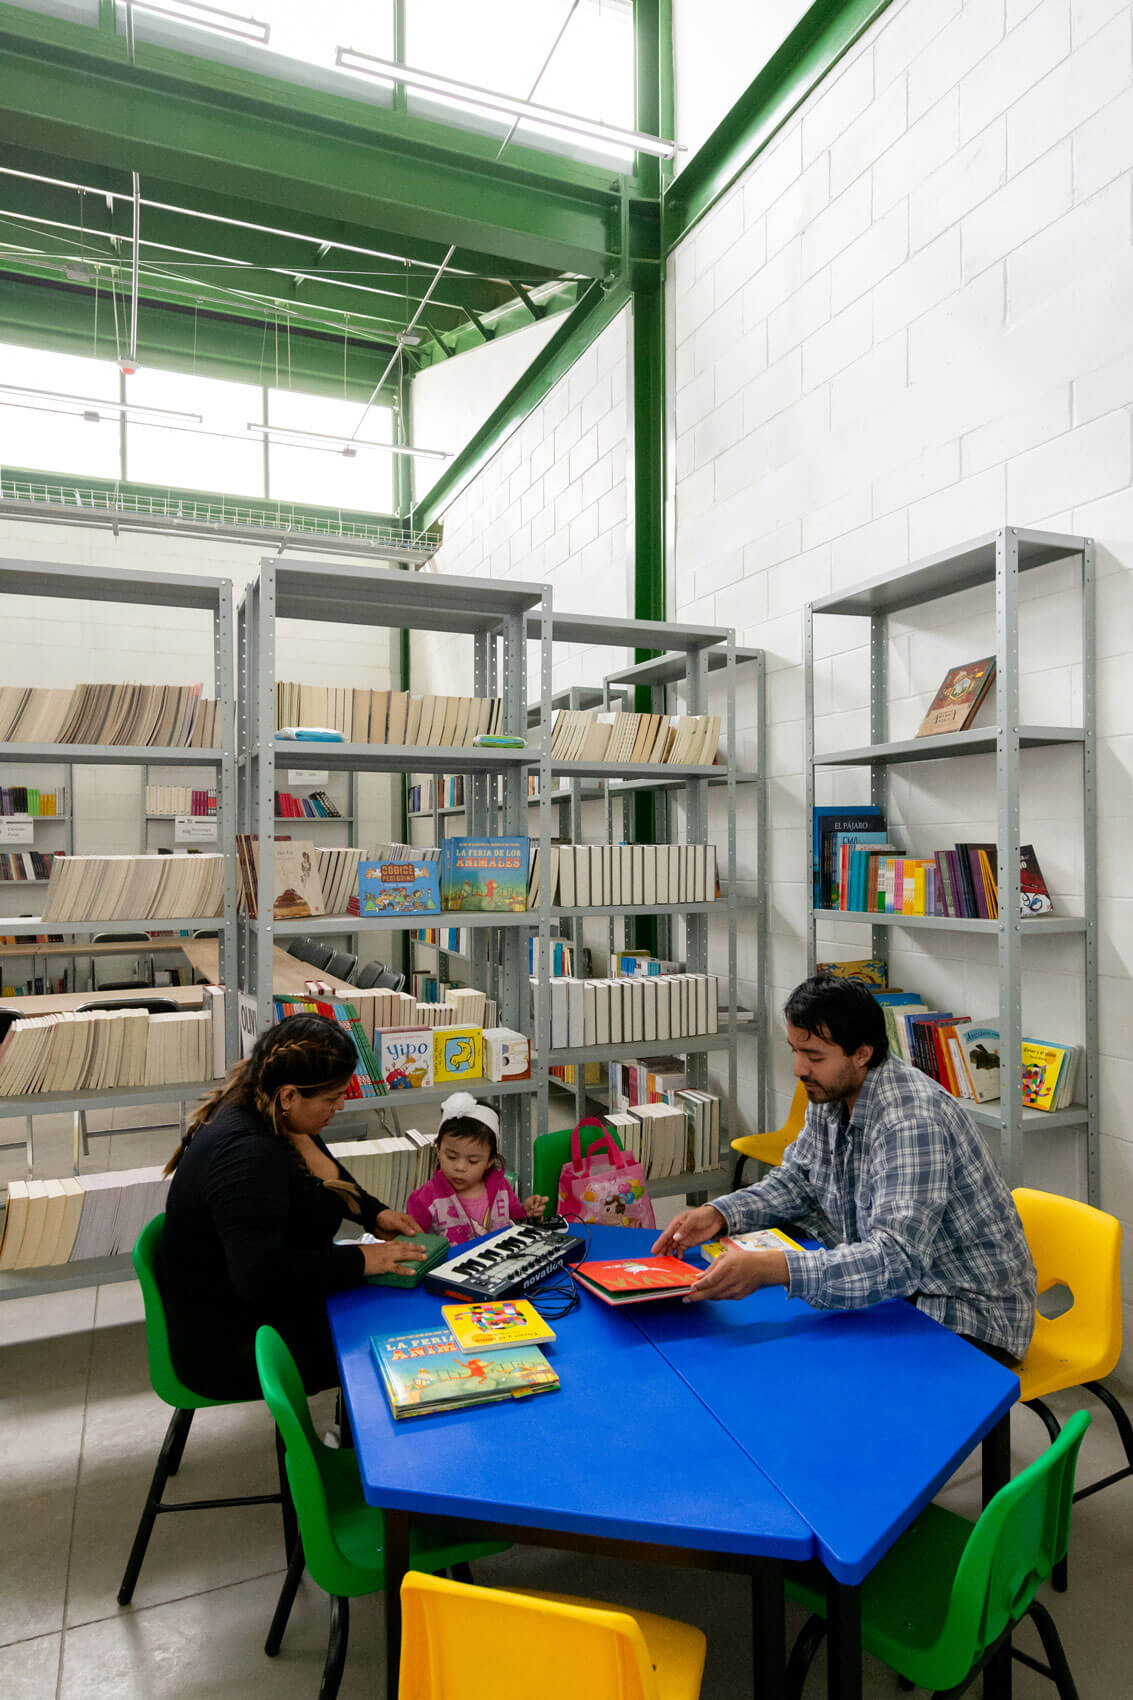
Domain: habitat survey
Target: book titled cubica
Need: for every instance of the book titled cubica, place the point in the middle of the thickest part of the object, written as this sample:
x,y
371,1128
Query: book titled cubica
x,y
430,1372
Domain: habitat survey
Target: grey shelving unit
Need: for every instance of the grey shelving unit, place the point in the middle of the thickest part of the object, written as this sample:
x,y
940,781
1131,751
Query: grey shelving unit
x,y
212,596
995,561
490,612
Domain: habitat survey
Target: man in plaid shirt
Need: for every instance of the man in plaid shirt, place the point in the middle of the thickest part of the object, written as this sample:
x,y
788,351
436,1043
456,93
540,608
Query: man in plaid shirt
x,y
890,1175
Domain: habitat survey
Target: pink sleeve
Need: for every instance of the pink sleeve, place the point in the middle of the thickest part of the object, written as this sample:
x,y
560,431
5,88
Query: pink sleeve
x,y
514,1207
417,1205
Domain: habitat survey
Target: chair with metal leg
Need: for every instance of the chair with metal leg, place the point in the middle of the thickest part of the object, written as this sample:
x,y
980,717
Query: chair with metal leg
x,y
769,1147
168,1386
369,974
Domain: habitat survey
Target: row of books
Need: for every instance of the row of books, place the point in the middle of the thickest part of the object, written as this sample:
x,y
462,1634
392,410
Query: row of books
x,y
593,735
109,888
164,716
390,1168
77,1050
366,1081
649,1081
678,1135
562,956
449,792
386,717
378,1008
316,805
856,867
309,879
595,875
67,1221
413,1057
36,988
964,1055
632,964
24,865
180,800
26,800
621,1011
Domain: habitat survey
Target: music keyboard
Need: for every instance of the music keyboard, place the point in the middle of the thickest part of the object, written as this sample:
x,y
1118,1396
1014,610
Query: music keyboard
x,y
511,1263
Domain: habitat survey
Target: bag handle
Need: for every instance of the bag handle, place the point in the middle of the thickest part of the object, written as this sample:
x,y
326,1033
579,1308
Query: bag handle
x,y
605,1139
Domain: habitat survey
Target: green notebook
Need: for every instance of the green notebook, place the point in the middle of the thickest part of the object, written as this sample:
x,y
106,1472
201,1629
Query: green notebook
x,y
436,1248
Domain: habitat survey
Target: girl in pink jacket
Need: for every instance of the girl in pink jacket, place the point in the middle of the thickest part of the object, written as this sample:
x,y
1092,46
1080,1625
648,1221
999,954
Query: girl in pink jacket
x,y
469,1194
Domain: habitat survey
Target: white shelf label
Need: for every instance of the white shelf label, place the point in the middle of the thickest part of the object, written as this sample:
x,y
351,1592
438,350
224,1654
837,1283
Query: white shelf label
x,y
248,1033
306,776
17,829
194,829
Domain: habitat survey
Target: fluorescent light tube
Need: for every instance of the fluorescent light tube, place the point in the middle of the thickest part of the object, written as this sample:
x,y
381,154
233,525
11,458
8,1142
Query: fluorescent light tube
x,y
509,106
212,18
30,397
349,445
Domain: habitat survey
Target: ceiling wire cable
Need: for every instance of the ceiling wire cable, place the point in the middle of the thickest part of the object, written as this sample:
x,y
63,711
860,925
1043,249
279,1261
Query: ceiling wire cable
x,y
400,349
530,95
135,264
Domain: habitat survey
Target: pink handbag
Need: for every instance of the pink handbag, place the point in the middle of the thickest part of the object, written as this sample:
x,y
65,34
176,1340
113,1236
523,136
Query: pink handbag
x,y
605,1186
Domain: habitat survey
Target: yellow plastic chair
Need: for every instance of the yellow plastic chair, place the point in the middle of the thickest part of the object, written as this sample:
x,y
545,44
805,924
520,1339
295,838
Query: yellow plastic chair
x,y
460,1642
769,1147
1077,1247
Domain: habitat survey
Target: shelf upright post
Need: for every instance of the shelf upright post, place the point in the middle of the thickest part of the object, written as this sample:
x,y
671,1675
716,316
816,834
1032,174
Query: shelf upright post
x,y
696,832
1090,853
261,791
225,687
808,764
1009,934
512,946
879,734
477,789
732,919
243,774
541,1034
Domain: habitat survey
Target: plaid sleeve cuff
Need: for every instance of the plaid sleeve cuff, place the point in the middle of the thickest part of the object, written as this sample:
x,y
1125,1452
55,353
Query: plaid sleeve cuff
x,y
804,1273
740,1211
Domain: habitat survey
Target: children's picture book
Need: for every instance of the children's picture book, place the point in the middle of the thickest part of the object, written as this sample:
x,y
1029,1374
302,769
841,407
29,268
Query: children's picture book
x,y
408,887
962,689
1034,898
405,1056
756,1239
458,1053
979,1043
430,1371
485,874
435,1247
871,971
298,889
636,1280
488,1327
507,1054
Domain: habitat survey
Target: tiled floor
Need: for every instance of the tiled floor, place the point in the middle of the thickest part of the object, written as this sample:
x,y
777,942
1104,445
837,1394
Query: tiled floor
x,y
79,1432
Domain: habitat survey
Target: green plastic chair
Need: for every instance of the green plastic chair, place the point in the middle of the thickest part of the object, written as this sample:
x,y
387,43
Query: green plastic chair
x,y
548,1154
341,1539
168,1386
946,1597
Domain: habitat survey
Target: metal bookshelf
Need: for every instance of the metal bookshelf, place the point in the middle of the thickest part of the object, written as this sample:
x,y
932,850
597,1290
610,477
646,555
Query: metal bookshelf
x,y
995,561
490,612
212,597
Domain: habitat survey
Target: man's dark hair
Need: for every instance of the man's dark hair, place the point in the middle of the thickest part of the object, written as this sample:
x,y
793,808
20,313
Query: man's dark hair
x,y
843,1012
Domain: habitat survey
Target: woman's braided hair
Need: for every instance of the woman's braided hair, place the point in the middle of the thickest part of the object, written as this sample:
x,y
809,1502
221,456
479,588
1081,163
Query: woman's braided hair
x,y
308,1052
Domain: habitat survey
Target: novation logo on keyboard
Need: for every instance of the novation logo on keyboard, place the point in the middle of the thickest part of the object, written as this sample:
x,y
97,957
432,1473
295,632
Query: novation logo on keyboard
x,y
510,1263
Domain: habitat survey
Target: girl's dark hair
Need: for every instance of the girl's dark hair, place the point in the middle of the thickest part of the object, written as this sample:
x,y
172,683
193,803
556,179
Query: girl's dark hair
x,y
308,1052
843,1012
467,1127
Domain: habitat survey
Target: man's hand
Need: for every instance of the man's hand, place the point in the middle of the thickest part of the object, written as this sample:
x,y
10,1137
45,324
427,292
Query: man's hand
x,y
689,1228
735,1274
391,1257
391,1222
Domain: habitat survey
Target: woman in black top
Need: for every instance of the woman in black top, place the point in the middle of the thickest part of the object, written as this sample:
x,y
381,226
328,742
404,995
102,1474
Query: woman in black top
x,y
253,1208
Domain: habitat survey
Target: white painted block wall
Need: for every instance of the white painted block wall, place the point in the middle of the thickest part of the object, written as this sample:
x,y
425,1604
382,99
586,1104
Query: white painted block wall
x,y
907,324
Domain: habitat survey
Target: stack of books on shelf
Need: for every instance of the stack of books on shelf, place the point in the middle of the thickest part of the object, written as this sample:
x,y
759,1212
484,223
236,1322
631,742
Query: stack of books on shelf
x,y
453,939
36,988
449,793
38,805
315,806
366,1081
81,1050
593,735
386,717
22,865
650,1081
623,1011
390,1168
111,888
675,1136
600,875
858,868
162,716
180,800
51,1222
309,879
638,964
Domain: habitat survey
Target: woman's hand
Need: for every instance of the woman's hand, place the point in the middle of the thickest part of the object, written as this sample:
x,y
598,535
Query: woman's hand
x,y
391,1257
534,1206
391,1222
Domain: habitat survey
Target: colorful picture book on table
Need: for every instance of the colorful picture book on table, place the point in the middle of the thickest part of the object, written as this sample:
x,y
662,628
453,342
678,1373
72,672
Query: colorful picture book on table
x,y
636,1280
756,1239
961,692
488,1327
430,1372
486,875
409,887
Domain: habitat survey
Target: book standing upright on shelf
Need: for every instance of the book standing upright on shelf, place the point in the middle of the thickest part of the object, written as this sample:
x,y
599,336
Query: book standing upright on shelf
x,y
961,692
409,887
485,874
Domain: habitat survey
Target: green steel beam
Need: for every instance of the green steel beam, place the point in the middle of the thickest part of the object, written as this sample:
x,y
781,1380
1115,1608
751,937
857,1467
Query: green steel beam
x,y
567,292
66,318
224,226
70,90
577,331
823,34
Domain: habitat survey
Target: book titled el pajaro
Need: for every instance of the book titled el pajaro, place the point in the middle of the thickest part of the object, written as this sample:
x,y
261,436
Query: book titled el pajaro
x,y
430,1371
485,874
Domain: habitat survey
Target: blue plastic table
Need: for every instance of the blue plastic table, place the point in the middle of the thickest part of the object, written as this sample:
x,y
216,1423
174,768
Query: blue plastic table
x,y
800,1433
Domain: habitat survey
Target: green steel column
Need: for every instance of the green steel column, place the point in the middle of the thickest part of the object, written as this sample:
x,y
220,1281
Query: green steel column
x,y
403,503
